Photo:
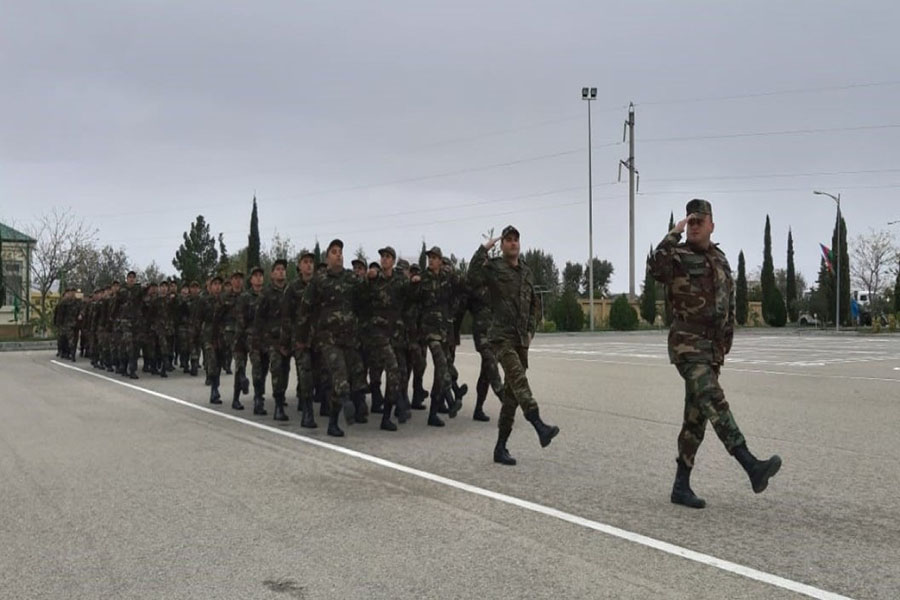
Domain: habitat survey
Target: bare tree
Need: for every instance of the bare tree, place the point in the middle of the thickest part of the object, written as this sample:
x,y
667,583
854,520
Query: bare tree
x,y
99,268
874,255
62,238
151,273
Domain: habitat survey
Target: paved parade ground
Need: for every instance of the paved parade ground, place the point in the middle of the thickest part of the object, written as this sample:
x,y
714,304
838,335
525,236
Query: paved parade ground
x,y
112,488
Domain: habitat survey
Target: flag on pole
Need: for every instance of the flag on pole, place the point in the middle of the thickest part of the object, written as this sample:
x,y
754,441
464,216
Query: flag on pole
x,y
828,255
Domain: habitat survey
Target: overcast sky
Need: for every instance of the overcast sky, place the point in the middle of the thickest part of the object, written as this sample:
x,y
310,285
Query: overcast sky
x,y
383,122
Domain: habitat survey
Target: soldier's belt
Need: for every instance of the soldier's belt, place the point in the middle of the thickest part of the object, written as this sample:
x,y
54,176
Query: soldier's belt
x,y
695,328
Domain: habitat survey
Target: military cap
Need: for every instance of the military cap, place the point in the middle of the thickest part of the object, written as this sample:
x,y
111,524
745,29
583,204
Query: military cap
x,y
509,230
115,282
237,274
414,267
388,250
435,251
256,270
215,279
357,261
335,242
130,273
402,264
322,265
151,284
306,253
279,261
195,283
698,206
374,265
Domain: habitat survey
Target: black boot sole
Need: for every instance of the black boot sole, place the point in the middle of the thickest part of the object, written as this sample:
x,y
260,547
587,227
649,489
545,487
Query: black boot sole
x,y
693,502
545,440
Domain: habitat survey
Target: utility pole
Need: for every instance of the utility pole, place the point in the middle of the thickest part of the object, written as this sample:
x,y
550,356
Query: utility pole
x,y
838,251
632,187
590,94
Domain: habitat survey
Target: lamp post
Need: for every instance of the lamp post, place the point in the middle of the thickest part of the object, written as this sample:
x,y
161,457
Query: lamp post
x,y
837,300
590,94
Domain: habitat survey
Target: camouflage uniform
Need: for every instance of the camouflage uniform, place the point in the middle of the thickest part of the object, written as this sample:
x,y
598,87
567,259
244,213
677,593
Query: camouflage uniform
x,y
245,347
267,338
489,375
513,306
385,298
147,335
211,317
129,313
327,321
184,306
434,293
229,299
700,288
163,329
415,351
303,361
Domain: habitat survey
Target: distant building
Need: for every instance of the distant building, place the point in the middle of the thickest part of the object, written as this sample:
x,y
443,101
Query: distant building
x,y
15,251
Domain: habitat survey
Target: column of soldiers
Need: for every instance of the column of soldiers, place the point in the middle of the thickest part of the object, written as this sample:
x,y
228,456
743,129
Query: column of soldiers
x,y
344,330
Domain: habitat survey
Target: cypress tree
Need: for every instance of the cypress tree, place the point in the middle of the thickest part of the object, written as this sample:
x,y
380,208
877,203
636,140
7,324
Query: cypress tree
x,y
253,240
317,252
767,276
841,246
423,258
742,303
791,285
648,298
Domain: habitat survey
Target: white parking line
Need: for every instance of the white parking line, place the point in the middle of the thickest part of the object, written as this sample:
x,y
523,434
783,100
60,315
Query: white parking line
x,y
698,557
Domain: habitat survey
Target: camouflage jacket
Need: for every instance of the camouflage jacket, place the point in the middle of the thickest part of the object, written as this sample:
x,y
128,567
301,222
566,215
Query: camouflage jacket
x,y
434,294
163,322
700,289
129,301
246,316
102,315
229,319
510,295
385,299
211,316
183,308
290,311
327,314
267,322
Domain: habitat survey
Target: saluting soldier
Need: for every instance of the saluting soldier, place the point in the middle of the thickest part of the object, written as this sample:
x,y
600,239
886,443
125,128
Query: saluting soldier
x,y
514,304
700,289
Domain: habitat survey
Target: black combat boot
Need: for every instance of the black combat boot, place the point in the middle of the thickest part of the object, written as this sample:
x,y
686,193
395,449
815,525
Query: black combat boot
x,y
195,366
377,397
132,369
208,380
418,400
245,383
164,373
259,402
236,399
459,390
681,491
481,390
501,454
402,408
307,419
333,429
214,396
386,422
759,471
433,419
280,401
359,407
545,432
454,404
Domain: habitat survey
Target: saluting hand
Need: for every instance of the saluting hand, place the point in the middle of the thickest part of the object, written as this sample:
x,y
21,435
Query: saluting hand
x,y
490,243
680,225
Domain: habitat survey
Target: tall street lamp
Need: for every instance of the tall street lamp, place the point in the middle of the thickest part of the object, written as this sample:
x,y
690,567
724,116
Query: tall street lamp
x,y
590,94
837,303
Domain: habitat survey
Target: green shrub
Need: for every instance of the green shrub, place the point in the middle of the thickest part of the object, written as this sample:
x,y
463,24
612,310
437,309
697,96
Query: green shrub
x,y
567,313
547,327
774,308
622,317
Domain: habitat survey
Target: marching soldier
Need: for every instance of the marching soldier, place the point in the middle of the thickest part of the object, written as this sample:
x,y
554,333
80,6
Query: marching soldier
x,y
700,289
267,329
513,303
211,318
245,347
293,296
235,347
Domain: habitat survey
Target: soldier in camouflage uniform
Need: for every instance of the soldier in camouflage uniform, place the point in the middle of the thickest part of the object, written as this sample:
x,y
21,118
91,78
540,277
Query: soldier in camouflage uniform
x,y
513,304
182,328
416,347
434,292
229,296
458,308
290,313
384,295
193,331
65,318
110,350
267,332
243,347
146,326
234,349
211,318
129,300
700,288
163,328
489,375
328,321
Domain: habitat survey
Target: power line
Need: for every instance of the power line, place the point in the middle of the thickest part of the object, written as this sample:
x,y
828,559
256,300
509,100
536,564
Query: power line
x,y
768,133
775,175
835,88
749,191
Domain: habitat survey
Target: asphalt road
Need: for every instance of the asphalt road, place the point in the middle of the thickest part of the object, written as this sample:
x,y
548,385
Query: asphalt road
x,y
107,491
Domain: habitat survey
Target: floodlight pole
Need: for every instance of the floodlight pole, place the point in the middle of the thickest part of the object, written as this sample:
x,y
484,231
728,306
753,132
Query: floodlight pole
x,y
837,300
590,94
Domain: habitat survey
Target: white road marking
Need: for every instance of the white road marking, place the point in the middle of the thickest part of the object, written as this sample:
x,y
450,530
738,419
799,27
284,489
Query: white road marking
x,y
698,557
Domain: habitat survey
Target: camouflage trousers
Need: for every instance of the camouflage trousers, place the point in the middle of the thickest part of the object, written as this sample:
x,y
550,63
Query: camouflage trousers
x,y
305,380
240,366
383,357
228,349
280,369
212,350
259,369
704,401
345,367
415,361
443,379
516,390
128,347
489,376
